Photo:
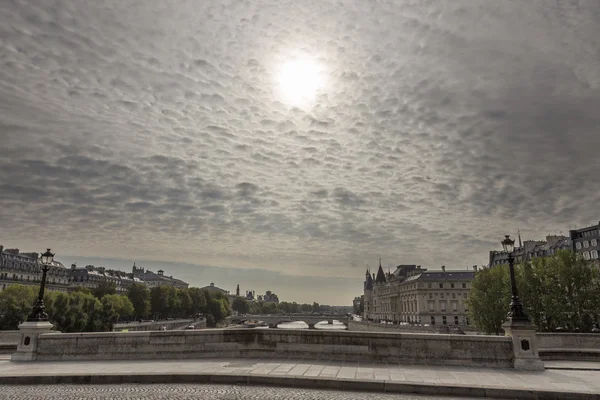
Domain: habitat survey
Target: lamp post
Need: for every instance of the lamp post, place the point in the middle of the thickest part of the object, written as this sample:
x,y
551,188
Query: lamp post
x,y
516,312
38,313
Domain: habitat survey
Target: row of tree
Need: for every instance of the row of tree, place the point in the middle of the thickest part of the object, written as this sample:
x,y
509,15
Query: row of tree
x,y
560,292
85,310
243,306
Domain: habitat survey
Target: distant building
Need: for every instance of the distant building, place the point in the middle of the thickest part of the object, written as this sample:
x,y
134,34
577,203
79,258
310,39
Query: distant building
x,y
414,295
586,241
26,269
151,279
90,277
270,297
531,249
214,289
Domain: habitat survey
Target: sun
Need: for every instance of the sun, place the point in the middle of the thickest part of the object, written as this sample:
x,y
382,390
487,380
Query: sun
x,y
300,81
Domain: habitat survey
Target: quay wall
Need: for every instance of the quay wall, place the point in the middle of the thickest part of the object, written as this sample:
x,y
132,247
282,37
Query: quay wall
x,y
484,351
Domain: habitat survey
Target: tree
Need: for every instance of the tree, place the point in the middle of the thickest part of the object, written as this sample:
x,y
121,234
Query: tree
x,y
120,304
561,291
139,295
198,300
240,305
104,288
315,307
16,302
489,299
160,300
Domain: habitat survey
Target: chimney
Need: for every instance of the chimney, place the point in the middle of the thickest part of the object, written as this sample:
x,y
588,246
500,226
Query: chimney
x,y
1,248
475,268
443,268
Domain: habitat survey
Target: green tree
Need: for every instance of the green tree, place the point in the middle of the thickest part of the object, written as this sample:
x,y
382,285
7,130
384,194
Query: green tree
x,y
139,295
104,288
489,299
16,302
160,300
185,303
560,291
217,309
198,300
120,304
240,305
316,307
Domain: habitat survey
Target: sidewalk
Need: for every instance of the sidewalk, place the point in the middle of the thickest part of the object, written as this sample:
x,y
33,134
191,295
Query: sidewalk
x,y
560,384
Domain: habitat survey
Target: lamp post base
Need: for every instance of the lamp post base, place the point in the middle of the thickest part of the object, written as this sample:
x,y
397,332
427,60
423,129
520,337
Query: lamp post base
x,y
524,344
28,341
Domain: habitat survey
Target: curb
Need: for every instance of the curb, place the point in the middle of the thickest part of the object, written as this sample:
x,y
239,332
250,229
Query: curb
x,y
575,368
374,386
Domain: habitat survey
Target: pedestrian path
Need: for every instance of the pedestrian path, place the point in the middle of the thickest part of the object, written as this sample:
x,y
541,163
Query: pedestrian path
x,y
306,373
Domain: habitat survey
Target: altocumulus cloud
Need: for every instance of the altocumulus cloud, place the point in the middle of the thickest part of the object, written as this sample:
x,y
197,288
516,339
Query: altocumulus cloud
x,y
156,129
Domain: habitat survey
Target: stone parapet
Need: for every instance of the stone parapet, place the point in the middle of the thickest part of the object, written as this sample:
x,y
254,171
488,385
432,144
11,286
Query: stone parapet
x,y
484,351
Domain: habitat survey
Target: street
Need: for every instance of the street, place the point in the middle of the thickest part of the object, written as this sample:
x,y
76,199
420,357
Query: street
x,y
190,391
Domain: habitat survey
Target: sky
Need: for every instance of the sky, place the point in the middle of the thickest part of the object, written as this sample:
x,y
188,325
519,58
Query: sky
x,y
284,145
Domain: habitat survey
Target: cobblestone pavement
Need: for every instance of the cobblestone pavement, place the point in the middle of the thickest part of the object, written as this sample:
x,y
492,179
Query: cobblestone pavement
x,y
178,392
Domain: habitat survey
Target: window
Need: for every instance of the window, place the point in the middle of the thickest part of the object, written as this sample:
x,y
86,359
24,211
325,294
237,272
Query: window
x,y
578,245
429,285
586,255
431,295
454,306
464,285
452,286
586,244
443,305
594,254
453,295
432,320
441,285
430,304
444,320
456,320
594,242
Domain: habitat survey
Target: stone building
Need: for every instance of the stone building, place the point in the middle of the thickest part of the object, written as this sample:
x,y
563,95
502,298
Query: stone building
x,y
26,269
531,249
586,241
90,277
412,294
151,279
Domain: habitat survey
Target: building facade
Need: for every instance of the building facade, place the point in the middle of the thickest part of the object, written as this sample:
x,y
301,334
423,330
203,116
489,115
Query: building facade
x,y
26,269
531,249
412,294
159,278
586,242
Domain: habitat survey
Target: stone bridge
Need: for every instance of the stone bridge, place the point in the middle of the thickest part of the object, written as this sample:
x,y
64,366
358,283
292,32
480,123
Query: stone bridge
x,y
274,320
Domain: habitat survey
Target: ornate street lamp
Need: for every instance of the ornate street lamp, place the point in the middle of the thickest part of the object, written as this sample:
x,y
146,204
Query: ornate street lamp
x,y
38,313
516,312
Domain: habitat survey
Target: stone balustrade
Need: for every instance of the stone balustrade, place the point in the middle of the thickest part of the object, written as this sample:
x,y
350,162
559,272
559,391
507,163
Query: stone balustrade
x,y
156,325
569,346
484,351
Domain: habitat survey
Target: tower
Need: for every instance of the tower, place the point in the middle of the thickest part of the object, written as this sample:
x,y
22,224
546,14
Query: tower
x,y
368,292
237,290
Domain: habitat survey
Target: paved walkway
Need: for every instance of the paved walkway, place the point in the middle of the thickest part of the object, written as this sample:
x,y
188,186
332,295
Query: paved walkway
x,y
191,391
422,379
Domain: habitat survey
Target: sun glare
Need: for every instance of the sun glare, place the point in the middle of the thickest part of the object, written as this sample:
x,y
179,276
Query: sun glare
x,y
300,81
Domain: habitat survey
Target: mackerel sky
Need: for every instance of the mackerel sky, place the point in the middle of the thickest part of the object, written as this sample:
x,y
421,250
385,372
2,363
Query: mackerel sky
x,y
168,132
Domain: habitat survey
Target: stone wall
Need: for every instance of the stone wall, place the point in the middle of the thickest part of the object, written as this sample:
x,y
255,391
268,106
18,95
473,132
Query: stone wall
x,y
365,326
155,326
569,346
484,351
9,341
9,337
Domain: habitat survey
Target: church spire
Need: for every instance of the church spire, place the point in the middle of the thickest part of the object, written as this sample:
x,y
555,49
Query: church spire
x,y
380,274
